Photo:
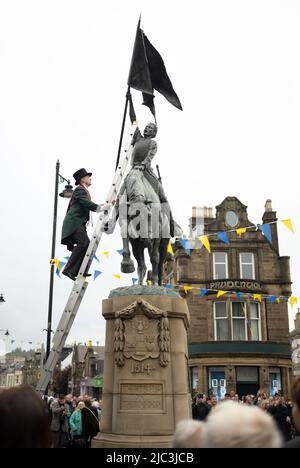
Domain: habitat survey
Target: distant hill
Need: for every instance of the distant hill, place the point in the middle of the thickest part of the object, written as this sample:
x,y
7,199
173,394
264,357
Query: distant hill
x,y
19,352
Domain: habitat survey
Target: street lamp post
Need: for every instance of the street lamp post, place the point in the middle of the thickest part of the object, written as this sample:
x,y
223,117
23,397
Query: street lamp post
x,y
67,193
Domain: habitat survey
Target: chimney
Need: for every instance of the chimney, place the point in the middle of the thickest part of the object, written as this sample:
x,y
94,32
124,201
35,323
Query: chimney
x,y
268,206
269,216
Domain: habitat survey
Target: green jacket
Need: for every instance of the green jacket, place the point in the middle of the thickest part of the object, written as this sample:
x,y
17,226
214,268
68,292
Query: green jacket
x,y
78,212
76,423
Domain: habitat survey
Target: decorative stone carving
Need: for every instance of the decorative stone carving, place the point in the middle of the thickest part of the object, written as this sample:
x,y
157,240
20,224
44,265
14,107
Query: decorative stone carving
x,y
141,332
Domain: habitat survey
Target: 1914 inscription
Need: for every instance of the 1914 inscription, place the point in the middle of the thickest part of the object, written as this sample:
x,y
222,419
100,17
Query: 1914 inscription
x,y
142,397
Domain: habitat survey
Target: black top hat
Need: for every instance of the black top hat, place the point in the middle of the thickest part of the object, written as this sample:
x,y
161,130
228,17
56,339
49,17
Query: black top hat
x,y
79,174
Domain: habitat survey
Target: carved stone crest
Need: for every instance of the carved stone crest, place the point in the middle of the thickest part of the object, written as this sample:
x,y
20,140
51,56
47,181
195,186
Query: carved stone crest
x,y
141,332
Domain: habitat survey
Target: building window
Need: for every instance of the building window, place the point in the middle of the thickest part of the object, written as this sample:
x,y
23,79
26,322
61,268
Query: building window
x,y
247,269
275,380
245,321
239,321
255,327
194,380
221,321
216,382
220,265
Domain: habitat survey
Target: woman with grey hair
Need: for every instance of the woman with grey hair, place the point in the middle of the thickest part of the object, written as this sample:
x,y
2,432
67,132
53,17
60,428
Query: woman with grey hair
x,y
241,426
189,434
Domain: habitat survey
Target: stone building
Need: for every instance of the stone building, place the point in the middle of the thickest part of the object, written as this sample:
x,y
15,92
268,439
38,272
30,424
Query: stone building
x,y
295,342
236,342
86,370
20,371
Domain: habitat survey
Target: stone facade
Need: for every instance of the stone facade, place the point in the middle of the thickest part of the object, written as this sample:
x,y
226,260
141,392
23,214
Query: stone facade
x,y
295,342
236,343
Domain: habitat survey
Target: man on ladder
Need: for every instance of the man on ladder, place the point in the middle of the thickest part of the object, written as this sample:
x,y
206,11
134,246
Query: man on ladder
x,y
74,234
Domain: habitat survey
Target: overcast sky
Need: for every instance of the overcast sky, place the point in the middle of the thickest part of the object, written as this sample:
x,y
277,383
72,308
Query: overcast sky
x,y
235,66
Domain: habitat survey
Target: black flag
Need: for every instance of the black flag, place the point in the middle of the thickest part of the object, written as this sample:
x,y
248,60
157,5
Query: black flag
x,y
148,72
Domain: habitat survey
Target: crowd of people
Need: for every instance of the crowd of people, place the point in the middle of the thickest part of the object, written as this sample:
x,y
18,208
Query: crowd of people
x,y
27,421
279,408
250,422
73,421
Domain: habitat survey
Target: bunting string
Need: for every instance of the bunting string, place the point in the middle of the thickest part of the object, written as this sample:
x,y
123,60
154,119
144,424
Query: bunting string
x,y
239,294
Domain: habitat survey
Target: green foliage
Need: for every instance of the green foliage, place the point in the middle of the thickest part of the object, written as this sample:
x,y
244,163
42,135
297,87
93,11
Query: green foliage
x,y
60,380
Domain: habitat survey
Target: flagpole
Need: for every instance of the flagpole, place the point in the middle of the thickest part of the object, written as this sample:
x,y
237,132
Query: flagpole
x,y
123,127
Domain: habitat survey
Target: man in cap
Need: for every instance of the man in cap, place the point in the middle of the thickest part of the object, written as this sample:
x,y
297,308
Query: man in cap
x,y
74,226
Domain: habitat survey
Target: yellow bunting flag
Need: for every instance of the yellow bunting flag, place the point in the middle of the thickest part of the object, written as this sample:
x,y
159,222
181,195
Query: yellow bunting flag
x,y
55,261
293,301
118,277
205,241
170,249
187,289
241,231
221,293
106,254
288,224
257,296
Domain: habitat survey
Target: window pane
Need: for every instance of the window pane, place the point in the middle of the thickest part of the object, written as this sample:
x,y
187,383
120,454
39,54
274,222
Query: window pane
x,y
238,330
254,335
222,329
247,257
247,271
238,309
220,257
254,311
220,309
220,271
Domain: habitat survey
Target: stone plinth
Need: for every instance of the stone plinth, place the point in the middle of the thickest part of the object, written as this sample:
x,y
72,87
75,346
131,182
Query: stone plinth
x,y
146,382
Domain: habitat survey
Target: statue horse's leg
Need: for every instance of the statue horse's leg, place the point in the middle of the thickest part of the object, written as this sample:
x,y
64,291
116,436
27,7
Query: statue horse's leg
x,y
163,250
138,248
127,265
154,257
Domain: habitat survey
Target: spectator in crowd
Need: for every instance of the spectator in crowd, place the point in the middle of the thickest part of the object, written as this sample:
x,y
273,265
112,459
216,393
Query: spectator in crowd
x,y
200,409
90,421
96,404
231,425
295,413
24,420
280,414
59,424
189,434
76,422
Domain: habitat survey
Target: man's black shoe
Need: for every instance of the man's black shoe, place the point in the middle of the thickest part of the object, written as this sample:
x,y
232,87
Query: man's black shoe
x,y
69,275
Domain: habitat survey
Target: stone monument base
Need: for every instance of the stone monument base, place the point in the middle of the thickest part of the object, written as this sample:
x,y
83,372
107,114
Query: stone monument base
x,y
125,441
146,377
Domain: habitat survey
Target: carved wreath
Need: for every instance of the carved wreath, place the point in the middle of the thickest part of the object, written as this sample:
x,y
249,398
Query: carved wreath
x,y
150,312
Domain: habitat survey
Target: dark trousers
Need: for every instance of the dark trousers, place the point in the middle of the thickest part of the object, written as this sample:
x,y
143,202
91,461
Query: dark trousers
x,y
59,438
80,238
